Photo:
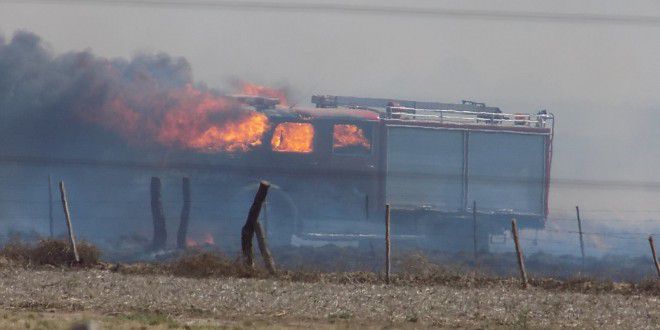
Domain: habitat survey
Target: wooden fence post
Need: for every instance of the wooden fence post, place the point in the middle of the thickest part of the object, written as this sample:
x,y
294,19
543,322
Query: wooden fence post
x,y
263,248
655,257
474,233
387,244
519,254
160,231
251,223
50,207
69,226
185,215
579,221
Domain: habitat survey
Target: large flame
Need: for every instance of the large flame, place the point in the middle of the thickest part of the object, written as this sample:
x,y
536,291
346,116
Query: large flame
x,y
149,100
186,118
293,137
211,124
258,90
347,135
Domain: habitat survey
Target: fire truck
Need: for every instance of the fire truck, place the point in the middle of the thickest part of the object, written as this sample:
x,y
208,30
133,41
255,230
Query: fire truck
x,y
332,167
439,166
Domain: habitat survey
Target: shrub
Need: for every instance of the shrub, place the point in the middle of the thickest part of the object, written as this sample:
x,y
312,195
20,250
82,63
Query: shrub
x,y
59,253
17,251
202,264
650,285
51,252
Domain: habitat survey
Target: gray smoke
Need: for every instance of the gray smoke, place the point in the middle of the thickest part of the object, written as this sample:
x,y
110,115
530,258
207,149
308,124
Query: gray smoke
x,y
49,101
59,110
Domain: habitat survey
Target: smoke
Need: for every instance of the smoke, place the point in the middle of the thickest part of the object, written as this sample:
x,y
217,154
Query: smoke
x,y
78,103
150,100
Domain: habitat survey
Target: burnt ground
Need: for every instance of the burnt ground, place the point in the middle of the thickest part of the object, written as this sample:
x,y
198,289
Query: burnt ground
x,y
64,295
370,258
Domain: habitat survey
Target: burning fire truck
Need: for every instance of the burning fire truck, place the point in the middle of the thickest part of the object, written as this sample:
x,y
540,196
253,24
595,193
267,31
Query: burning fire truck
x,y
110,125
334,168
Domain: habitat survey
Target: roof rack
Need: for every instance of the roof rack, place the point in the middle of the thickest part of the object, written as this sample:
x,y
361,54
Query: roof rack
x,y
333,101
449,116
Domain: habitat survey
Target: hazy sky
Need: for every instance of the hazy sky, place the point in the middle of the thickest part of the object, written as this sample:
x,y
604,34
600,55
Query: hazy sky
x,y
601,81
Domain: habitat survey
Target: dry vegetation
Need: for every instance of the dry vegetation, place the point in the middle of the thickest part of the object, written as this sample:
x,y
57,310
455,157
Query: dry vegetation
x,y
50,252
414,270
179,301
208,288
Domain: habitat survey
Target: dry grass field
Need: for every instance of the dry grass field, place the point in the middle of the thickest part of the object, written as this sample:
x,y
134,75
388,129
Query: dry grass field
x,y
40,289
58,297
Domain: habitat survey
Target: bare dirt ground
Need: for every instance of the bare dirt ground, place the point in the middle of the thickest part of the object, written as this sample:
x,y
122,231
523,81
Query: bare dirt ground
x,y
59,297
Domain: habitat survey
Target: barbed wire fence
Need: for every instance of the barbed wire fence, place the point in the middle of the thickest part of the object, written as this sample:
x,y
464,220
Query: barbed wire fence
x,y
555,237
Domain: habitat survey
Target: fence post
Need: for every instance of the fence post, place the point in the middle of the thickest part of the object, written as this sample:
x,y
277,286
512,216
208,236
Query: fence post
x,y
160,232
387,244
185,215
655,257
519,254
263,248
474,233
69,226
50,207
251,222
579,221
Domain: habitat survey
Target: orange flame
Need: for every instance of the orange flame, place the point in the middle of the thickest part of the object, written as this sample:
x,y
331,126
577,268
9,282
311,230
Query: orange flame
x,y
211,124
349,135
207,239
186,118
293,137
257,90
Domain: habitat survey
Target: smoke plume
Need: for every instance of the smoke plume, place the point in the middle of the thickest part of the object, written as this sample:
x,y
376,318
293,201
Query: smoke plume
x,y
150,100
